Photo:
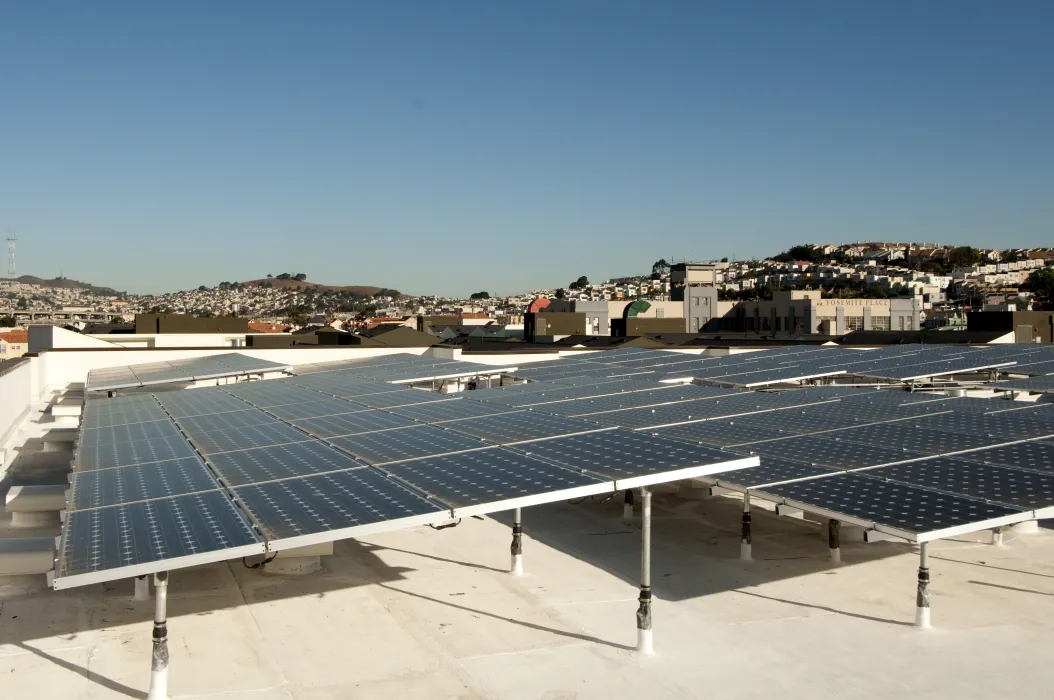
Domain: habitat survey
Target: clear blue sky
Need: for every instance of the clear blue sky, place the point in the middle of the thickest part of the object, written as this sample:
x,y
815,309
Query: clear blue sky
x,y
448,147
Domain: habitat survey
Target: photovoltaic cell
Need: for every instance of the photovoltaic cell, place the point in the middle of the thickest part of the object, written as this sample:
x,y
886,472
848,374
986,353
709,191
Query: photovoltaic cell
x,y
122,414
152,535
405,443
107,487
279,462
338,501
493,475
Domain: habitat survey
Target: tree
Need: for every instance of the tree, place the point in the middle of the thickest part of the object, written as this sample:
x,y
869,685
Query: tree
x,y
23,303
269,276
479,295
559,294
964,256
284,276
1041,284
203,288
582,282
7,321
300,277
661,266
1007,256
724,259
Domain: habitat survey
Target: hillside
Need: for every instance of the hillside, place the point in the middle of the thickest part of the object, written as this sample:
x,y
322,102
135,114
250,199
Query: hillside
x,y
63,283
305,285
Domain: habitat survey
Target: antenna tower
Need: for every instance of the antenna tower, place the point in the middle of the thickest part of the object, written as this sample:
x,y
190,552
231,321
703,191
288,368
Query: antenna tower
x,y
12,270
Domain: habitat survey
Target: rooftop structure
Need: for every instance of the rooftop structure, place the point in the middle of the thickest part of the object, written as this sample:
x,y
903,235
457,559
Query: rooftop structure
x,y
410,611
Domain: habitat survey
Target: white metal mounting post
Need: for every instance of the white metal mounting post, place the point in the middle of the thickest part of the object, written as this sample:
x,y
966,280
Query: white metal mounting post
x,y
159,658
645,642
745,540
517,543
922,598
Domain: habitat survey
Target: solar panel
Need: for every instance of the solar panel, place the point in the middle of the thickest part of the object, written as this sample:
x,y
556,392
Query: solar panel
x,y
225,421
91,437
406,443
216,441
273,393
223,365
636,399
315,409
1016,487
107,487
150,536
279,462
633,459
123,413
1037,455
398,398
1007,427
721,432
827,452
352,423
199,402
906,511
106,455
441,411
771,471
521,426
913,438
338,505
496,479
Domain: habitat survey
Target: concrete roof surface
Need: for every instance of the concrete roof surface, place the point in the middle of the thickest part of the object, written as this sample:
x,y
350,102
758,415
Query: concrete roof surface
x,y
435,614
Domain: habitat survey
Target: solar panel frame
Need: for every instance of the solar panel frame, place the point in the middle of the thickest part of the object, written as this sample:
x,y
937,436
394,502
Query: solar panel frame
x,y
124,485
326,427
416,442
278,462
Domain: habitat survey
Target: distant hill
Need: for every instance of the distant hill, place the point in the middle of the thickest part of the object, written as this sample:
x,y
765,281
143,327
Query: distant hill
x,y
64,283
305,285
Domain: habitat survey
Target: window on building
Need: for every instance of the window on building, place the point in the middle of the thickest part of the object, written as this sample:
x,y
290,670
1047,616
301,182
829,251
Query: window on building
x,y
880,323
854,323
660,313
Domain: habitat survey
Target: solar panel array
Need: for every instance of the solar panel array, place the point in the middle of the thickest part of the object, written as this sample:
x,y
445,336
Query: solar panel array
x,y
214,366
181,478
795,363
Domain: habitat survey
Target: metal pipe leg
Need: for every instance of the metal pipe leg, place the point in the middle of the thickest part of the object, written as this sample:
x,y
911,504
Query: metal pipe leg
x,y
142,588
159,658
834,540
627,506
922,598
745,547
645,643
517,544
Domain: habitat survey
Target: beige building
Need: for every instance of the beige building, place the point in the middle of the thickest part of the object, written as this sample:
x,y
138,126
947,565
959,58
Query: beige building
x,y
804,311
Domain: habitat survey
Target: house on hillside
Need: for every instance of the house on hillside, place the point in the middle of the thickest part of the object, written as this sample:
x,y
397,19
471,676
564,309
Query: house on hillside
x,y
13,344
